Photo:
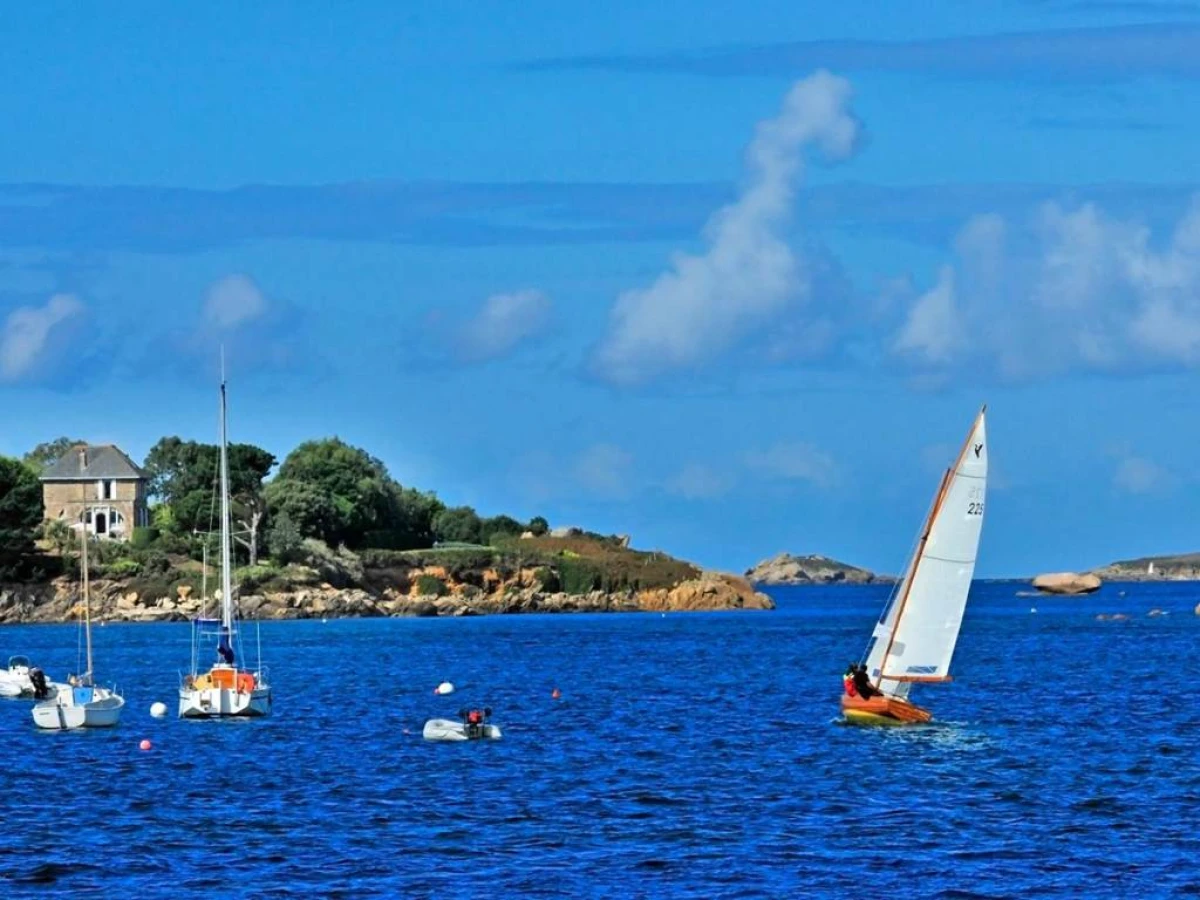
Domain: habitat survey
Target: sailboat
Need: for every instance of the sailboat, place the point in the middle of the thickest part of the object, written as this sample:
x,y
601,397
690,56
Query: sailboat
x,y
80,703
226,689
913,642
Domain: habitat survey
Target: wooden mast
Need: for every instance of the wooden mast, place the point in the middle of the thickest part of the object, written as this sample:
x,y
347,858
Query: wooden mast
x,y
938,500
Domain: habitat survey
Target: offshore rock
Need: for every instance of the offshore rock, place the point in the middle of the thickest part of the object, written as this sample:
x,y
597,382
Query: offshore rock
x,y
785,568
711,591
1067,583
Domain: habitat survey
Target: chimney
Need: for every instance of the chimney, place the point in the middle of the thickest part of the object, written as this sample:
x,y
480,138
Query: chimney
x,y
82,458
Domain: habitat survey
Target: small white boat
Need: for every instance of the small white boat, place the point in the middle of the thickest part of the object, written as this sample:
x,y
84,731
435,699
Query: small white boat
x,y
472,725
79,706
23,680
80,703
14,681
226,689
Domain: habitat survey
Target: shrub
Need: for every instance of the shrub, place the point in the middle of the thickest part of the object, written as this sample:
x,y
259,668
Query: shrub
x,y
251,578
579,576
548,579
154,562
122,568
431,584
143,537
340,567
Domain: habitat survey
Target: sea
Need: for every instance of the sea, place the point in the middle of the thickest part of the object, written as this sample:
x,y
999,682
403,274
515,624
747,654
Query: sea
x,y
687,755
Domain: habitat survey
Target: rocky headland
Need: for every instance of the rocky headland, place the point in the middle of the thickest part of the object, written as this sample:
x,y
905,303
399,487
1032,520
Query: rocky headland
x,y
547,576
785,568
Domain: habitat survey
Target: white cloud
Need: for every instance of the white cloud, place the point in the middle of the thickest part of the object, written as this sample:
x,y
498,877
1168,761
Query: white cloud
x,y
933,331
504,321
748,274
798,461
605,470
1072,287
696,481
232,301
1136,475
28,332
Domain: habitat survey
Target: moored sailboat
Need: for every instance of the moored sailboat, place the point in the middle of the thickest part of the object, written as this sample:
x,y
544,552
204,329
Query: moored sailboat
x,y
80,703
226,689
914,640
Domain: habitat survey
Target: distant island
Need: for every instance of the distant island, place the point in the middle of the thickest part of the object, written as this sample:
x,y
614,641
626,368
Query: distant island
x,y
784,569
1180,567
331,534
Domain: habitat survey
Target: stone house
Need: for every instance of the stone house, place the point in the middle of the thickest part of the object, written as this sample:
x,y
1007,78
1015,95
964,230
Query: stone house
x,y
98,485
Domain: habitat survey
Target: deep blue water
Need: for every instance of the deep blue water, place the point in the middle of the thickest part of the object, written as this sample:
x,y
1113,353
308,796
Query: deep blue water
x,y
691,755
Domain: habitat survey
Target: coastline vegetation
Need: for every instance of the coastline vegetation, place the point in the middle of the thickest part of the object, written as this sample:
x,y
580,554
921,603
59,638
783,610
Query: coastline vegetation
x,y
331,514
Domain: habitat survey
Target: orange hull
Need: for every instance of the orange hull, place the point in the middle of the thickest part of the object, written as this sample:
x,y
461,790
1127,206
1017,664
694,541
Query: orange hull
x,y
883,711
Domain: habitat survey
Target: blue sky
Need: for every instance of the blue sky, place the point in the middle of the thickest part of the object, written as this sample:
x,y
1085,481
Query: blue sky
x,y
733,278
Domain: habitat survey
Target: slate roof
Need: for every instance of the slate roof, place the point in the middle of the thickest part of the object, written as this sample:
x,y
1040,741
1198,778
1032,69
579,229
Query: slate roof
x,y
103,461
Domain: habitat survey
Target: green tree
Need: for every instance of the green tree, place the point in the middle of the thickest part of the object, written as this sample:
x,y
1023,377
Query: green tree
x,y
412,516
20,516
347,492
45,454
184,476
499,526
284,541
458,524
538,526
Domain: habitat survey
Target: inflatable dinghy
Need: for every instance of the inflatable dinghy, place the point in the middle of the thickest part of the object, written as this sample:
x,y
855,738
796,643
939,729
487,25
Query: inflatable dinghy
x,y
472,726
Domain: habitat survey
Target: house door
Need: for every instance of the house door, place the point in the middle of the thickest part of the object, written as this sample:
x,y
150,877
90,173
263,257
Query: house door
x,y
101,523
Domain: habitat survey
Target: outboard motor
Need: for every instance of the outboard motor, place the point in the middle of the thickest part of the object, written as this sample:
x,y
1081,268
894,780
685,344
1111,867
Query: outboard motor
x,y
38,679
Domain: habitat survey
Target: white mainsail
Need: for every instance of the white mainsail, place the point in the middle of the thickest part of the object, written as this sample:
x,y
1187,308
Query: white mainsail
x,y
915,639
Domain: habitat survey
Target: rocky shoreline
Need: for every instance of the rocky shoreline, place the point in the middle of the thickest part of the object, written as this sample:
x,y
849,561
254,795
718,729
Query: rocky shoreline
x,y
57,601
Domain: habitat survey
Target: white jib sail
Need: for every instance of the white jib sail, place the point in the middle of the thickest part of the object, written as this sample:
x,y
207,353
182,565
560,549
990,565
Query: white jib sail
x,y
930,609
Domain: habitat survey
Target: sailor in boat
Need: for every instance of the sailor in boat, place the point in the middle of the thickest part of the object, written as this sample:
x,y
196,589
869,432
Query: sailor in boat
x,y
475,720
225,650
862,683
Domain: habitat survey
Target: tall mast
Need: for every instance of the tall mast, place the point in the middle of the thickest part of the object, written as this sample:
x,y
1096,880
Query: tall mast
x,y
87,603
226,577
938,499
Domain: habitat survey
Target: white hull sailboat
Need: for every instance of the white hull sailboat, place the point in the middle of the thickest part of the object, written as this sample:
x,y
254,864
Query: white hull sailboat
x,y
914,640
80,703
226,689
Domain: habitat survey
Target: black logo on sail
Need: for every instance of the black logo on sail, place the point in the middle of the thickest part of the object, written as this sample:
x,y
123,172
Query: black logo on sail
x,y
978,447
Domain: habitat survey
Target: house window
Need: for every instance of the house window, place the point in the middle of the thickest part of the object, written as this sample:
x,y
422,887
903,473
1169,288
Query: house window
x,y
110,490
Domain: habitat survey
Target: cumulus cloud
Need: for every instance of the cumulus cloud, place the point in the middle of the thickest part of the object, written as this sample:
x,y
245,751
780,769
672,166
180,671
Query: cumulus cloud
x,y
1070,287
748,274
933,331
29,334
696,481
505,321
232,301
798,461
